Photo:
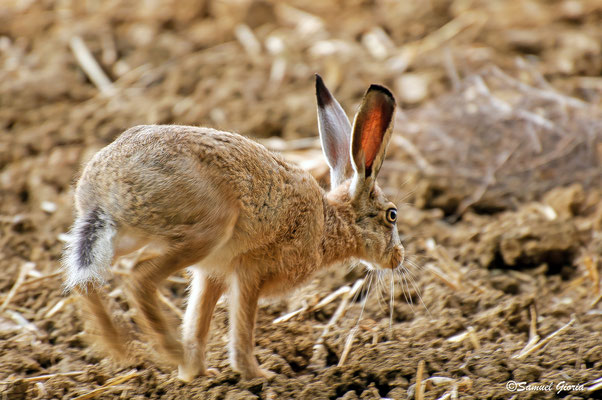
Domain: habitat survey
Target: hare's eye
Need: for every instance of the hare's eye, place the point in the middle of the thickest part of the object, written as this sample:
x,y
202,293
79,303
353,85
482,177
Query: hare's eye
x,y
391,215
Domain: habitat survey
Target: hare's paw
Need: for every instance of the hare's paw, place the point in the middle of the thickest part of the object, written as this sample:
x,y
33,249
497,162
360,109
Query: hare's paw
x,y
185,374
257,373
188,373
266,373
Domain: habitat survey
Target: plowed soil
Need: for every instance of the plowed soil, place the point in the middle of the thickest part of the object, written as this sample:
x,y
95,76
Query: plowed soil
x,y
496,166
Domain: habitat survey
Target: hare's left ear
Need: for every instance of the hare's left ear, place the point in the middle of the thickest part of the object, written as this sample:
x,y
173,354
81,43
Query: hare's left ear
x,y
335,133
372,130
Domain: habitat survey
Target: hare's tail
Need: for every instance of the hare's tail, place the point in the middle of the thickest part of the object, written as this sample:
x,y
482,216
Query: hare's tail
x,y
89,253
86,262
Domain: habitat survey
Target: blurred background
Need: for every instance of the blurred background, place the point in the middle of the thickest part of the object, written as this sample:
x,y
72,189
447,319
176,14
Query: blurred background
x,y
495,163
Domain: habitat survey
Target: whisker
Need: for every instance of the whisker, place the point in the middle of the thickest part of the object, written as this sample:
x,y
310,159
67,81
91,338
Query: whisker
x,y
408,237
368,265
352,266
402,284
408,288
401,198
371,277
420,296
409,296
399,195
385,274
358,292
380,285
392,303
414,257
413,263
366,289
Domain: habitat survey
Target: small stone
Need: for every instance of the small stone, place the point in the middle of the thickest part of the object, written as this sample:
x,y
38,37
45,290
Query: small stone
x,y
566,201
49,207
527,373
412,88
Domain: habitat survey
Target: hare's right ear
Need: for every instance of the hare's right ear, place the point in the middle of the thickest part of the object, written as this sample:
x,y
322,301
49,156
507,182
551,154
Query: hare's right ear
x,y
335,134
372,130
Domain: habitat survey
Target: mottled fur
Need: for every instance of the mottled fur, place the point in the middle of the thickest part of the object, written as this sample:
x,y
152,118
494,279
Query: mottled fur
x,y
249,222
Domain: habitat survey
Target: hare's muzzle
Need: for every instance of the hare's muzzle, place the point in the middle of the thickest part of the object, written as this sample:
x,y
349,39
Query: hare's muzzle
x,y
397,257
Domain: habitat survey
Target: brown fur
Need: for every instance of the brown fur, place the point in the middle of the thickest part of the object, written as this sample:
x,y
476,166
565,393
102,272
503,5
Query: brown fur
x,y
247,221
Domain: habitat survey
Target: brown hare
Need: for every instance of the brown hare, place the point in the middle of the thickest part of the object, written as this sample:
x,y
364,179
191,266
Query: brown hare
x,y
242,218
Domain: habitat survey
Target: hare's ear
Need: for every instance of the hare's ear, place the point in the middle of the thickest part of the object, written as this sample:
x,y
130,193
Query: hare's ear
x,y
335,134
372,130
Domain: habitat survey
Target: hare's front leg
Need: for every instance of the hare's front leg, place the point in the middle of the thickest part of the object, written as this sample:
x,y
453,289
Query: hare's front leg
x,y
244,295
205,291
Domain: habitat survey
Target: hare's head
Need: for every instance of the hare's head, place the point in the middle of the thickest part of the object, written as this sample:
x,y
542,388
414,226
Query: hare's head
x,y
355,155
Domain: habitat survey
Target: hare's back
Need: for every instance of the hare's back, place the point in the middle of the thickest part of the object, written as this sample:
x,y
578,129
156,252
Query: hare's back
x,y
157,176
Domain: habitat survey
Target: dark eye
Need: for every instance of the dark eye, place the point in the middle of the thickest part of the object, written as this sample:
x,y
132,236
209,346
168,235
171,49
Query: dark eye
x,y
391,215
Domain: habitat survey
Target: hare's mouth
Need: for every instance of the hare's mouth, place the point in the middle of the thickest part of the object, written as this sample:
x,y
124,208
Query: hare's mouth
x,y
399,273
395,261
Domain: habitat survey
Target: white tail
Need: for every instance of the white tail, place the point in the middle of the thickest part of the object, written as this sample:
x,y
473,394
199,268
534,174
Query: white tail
x,y
89,253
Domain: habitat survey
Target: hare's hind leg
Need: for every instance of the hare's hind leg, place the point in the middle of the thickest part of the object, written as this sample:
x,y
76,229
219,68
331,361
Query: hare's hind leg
x,y
205,291
147,275
108,334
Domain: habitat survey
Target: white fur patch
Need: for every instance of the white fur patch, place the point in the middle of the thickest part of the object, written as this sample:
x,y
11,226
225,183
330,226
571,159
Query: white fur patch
x,y
356,185
101,255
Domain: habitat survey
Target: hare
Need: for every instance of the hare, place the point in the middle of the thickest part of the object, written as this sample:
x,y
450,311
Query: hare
x,y
242,218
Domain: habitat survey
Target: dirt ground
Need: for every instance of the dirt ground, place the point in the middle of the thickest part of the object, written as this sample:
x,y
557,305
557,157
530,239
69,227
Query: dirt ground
x,y
495,164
